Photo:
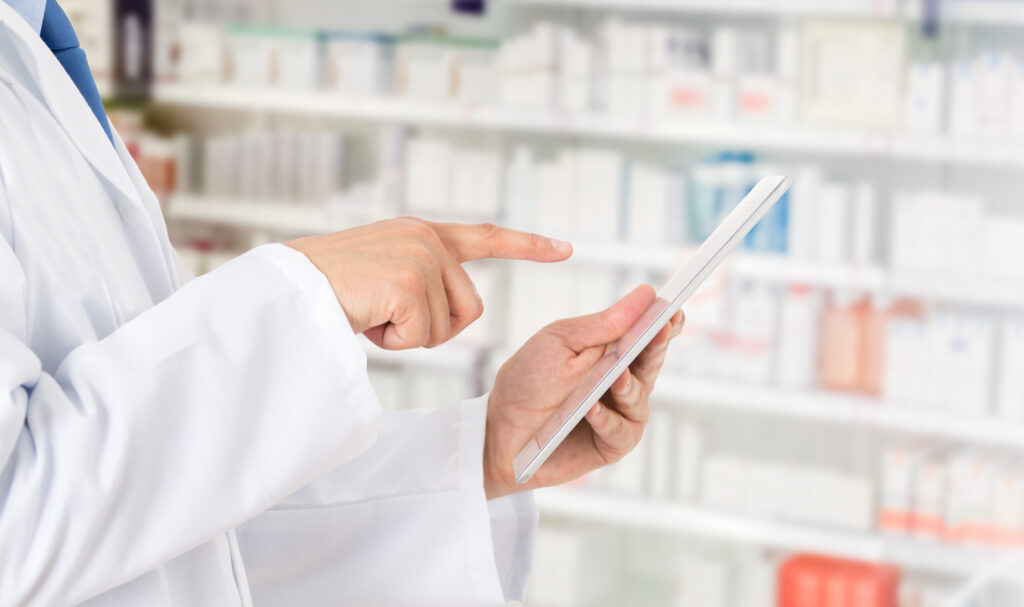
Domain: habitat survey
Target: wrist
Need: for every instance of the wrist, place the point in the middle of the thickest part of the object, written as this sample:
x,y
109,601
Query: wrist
x,y
494,488
498,477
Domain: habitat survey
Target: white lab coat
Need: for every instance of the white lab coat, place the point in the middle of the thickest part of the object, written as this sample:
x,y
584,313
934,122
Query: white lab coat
x,y
201,446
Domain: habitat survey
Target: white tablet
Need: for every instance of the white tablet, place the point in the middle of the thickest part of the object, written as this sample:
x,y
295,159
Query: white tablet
x,y
670,299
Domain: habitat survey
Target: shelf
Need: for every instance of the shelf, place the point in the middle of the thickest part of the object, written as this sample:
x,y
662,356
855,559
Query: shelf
x,y
275,217
300,219
963,290
967,12
666,517
853,412
988,151
780,8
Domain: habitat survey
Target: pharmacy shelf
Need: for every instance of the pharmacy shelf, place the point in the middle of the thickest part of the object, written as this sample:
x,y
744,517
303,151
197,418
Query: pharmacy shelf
x,y
679,519
759,266
780,8
987,151
851,411
275,217
302,219
962,290
968,12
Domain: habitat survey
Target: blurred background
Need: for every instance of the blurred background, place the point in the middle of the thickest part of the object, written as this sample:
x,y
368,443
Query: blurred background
x,y
842,422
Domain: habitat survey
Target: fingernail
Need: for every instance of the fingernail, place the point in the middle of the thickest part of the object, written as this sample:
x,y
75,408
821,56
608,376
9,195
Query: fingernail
x,y
561,246
477,293
626,386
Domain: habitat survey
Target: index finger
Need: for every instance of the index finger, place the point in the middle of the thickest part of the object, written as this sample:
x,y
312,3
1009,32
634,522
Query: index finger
x,y
481,241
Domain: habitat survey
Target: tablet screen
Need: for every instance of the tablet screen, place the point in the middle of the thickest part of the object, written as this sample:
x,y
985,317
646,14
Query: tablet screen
x,y
670,300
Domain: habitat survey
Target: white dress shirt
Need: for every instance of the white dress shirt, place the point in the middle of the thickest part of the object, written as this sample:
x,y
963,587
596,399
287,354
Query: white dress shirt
x,y
30,10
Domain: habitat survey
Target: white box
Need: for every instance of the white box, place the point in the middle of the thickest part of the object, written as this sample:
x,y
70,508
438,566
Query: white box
x,y
428,177
724,60
425,70
833,223
1008,506
993,93
803,212
722,482
203,53
251,58
647,205
930,490
899,470
576,72
360,65
853,73
799,319
963,117
702,582
926,92
557,196
688,460
762,98
765,489
298,60
852,503
476,73
864,226
659,440
476,185
598,189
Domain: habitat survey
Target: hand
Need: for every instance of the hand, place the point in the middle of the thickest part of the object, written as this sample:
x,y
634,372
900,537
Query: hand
x,y
535,381
401,281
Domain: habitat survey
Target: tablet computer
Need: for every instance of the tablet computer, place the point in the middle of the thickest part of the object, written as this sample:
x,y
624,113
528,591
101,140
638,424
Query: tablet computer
x,y
670,300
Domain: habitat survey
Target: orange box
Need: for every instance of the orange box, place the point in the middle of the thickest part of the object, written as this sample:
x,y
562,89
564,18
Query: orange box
x,y
817,581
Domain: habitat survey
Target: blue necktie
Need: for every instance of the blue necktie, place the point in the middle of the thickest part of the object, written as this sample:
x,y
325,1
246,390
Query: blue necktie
x,y
58,34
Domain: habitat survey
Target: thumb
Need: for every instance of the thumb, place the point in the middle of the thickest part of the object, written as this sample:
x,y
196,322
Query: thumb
x,y
607,326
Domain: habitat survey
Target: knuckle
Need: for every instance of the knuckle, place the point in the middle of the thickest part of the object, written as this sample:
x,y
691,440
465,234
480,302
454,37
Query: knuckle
x,y
409,278
419,250
488,231
412,227
420,230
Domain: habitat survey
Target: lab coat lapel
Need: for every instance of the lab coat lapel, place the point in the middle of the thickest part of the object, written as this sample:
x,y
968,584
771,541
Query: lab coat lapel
x,y
61,96
151,205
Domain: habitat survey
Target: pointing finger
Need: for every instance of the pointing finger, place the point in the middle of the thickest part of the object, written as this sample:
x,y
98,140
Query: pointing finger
x,y
486,240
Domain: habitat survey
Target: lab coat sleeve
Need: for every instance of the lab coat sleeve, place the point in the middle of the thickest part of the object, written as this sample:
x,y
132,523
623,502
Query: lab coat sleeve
x,y
405,524
190,419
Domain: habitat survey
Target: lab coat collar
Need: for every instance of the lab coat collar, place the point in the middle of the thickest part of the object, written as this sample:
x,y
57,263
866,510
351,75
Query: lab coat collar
x,y
59,94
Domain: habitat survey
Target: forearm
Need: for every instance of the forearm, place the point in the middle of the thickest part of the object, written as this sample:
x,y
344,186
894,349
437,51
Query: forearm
x,y
187,421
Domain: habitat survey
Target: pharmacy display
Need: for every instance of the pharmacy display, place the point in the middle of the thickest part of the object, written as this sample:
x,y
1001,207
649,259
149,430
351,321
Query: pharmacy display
x,y
845,406
826,73
670,300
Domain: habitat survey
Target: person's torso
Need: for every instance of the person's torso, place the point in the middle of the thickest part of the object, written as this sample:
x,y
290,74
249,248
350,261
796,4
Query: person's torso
x,y
94,255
